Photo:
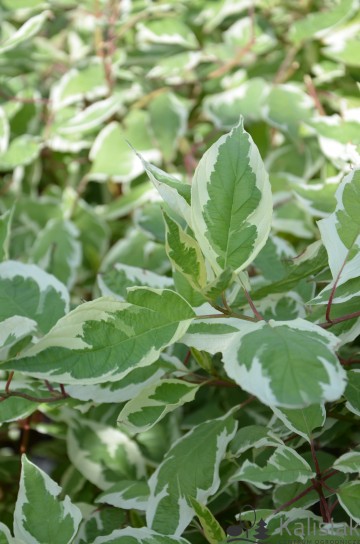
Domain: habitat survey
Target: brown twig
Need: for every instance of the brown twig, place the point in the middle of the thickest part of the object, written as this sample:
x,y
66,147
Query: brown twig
x,y
8,382
287,67
318,486
313,93
219,72
55,398
258,316
336,320
303,493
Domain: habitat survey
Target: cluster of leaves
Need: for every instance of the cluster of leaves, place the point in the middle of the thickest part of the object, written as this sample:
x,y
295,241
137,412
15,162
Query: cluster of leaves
x,y
179,295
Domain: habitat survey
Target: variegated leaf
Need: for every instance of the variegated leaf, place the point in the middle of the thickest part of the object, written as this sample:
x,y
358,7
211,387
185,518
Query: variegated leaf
x,y
127,494
105,339
28,291
138,536
154,402
29,29
231,202
273,360
195,459
39,493
175,193
302,421
348,462
185,254
340,232
103,454
285,466
115,281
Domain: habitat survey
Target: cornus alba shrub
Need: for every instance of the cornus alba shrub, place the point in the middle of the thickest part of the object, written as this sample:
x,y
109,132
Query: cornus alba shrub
x,y
179,272
254,340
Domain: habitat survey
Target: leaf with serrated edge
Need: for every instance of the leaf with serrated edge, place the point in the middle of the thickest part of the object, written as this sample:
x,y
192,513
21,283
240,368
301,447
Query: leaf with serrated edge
x,y
39,493
197,475
231,202
104,339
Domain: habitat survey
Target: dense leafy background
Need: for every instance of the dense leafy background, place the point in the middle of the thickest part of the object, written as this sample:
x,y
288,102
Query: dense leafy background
x,y
162,161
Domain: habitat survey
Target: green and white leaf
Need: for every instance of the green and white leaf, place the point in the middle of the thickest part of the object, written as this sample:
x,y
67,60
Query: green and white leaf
x,y
57,250
165,31
22,151
127,494
340,232
128,387
76,85
349,498
195,458
115,281
231,202
28,291
247,99
175,193
213,531
4,131
286,107
168,118
154,402
39,493
126,203
342,44
15,408
138,536
5,231
273,360
285,466
304,420
92,116
5,536
319,24
352,392
12,331
103,340
103,454
112,156
29,29
348,462
185,254
253,436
